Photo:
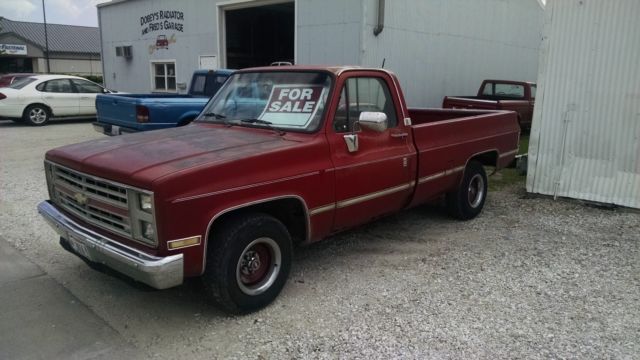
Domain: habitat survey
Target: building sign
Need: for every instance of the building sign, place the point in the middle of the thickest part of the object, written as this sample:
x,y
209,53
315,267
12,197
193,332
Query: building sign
x,y
162,20
13,49
292,104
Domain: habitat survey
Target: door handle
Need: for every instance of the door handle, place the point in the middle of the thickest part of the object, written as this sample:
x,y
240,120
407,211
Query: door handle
x,y
49,97
401,135
85,98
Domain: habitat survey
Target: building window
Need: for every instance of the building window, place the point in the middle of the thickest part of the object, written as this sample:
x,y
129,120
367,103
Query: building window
x,y
164,76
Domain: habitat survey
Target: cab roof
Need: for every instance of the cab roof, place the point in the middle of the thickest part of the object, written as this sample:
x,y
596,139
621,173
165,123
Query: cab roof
x,y
217,71
335,69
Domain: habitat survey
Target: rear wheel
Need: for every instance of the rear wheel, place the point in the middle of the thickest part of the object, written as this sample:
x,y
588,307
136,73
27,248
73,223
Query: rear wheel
x,y
467,201
248,262
36,115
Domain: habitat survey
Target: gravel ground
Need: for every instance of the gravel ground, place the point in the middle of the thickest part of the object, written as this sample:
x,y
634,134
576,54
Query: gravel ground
x,y
529,278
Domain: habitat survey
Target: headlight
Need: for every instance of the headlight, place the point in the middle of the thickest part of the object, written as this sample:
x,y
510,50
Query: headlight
x,y
148,230
146,203
142,217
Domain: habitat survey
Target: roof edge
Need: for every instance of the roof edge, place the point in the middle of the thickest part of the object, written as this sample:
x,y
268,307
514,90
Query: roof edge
x,y
112,2
48,23
24,39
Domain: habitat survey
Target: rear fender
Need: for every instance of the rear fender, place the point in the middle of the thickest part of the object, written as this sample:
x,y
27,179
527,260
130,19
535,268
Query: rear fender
x,y
486,158
41,104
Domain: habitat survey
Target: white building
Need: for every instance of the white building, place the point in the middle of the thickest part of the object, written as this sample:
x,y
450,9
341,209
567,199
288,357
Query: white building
x,y
585,140
436,47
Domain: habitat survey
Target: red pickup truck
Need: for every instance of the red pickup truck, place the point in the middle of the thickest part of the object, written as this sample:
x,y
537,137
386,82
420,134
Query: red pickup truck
x,y
518,96
280,156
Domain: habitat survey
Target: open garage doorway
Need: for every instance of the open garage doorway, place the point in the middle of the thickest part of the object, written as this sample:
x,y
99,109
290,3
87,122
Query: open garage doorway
x,y
259,35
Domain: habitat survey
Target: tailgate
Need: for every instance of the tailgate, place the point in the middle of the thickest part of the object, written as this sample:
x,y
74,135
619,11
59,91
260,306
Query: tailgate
x,y
117,110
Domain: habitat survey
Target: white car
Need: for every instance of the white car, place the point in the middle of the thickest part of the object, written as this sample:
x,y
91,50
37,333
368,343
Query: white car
x,y
37,99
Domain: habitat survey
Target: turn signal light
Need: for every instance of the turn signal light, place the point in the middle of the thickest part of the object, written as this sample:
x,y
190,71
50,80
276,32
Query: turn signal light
x,y
181,243
2,96
142,114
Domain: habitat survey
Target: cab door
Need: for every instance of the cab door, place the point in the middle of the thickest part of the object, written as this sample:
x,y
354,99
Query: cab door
x,y
376,178
87,92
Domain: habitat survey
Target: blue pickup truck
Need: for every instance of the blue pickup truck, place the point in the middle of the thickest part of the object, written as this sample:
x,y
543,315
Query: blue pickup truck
x,y
125,113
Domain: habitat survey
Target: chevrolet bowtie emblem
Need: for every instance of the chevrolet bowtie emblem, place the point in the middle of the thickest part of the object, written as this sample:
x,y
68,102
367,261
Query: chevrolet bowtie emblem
x,y
80,198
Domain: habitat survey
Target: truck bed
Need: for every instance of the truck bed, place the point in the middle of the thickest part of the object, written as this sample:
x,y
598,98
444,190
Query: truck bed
x,y
444,139
154,96
164,110
520,106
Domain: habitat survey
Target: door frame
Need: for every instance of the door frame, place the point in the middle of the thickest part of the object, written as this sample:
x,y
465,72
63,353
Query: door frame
x,y
221,9
407,160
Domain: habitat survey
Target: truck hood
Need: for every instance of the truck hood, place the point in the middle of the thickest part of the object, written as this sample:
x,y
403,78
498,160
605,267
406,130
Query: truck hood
x,y
141,158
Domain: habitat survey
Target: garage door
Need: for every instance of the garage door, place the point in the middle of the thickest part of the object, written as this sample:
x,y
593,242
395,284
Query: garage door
x,y
259,35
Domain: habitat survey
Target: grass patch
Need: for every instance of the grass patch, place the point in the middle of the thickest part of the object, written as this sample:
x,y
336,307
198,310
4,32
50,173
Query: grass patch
x,y
509,176
505,178
524,144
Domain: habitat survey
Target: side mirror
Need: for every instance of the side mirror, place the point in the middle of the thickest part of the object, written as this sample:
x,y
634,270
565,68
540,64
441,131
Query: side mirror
x,y
373,120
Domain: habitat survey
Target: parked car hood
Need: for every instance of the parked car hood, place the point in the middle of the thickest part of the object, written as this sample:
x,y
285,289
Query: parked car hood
x,y
141,158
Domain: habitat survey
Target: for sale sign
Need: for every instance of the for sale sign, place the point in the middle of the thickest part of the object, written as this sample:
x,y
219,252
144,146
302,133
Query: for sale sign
x,y
292,105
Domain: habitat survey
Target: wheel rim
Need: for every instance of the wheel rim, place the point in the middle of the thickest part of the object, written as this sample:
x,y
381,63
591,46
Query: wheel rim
x,y
476,191
258,266
38,115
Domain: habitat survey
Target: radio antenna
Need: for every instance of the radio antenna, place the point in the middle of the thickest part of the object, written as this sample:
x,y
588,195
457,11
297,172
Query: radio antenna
x,y
383,60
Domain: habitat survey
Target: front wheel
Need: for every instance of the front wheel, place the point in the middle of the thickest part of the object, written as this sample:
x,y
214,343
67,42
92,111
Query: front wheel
x,y
36,115
467,201
248,262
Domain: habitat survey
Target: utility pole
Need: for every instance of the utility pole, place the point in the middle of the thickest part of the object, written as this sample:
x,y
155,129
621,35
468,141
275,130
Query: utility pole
x,y
46,38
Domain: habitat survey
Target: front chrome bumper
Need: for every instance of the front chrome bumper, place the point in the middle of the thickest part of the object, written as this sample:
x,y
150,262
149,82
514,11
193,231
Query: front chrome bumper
x,y
157,272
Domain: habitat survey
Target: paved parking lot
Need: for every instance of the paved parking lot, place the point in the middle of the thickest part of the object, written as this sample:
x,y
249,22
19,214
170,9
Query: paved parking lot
x,y
529,278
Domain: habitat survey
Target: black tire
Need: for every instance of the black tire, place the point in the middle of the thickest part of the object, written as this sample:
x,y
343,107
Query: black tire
x,y
185,122
36,115
231,262
467,201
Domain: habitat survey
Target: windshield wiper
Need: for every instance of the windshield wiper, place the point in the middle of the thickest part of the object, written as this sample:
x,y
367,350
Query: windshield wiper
x,y
218,117
212,114
257,121
268,124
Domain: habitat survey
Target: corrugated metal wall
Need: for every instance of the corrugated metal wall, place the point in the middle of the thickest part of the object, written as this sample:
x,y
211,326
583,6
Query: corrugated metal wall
x,y
585,140
440,47
437,47
328,32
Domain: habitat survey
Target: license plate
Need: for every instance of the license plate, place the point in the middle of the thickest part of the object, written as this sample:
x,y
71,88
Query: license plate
x,y
79,247
115,130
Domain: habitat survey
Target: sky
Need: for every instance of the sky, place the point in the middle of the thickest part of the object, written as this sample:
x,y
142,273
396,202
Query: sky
x,y
71,12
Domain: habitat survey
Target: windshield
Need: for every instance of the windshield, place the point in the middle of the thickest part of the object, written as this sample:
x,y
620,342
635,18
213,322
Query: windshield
x,y
284,100
21,82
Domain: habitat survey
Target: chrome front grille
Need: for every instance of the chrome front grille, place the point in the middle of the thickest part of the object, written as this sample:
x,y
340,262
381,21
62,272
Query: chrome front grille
x,y
100,188
99,202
